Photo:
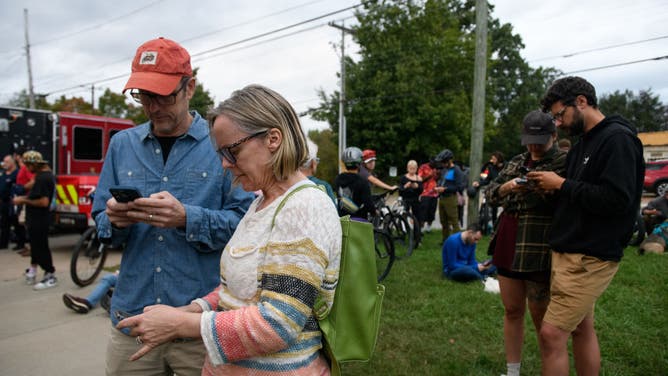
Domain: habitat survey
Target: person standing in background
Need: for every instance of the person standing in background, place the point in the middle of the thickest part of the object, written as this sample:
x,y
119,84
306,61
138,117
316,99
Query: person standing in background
x,y
311,166
38,219
7,214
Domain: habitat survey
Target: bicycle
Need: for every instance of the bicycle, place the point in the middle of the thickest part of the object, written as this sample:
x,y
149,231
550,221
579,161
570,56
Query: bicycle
x,y
88,258
396,226
399,207
385,256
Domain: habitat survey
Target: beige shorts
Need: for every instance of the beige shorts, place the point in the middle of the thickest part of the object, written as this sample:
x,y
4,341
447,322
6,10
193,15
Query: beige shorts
x,y
577,282
185,358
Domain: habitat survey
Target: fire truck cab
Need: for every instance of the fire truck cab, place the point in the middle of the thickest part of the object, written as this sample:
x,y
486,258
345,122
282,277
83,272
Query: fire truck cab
x,y
74,145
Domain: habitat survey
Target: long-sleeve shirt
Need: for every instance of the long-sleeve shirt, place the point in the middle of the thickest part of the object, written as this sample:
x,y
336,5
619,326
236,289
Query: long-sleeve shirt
x,y
169,266
456,254
260,319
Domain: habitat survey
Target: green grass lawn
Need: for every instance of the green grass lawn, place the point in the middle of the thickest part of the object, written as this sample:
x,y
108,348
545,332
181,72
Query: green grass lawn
x,y
432,326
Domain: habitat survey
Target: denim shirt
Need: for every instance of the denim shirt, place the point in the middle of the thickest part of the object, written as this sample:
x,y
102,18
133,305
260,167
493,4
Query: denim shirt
x,y
169,265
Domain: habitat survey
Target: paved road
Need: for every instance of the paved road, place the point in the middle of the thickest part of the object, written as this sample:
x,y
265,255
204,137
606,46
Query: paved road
x,y
38,335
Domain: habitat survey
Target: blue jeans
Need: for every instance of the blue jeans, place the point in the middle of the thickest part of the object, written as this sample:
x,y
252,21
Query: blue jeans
x,y
106,282
468,273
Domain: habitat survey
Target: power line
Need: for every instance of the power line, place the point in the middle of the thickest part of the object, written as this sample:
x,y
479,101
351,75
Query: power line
x,y
275,30
97,26
599,49
223,46
618,65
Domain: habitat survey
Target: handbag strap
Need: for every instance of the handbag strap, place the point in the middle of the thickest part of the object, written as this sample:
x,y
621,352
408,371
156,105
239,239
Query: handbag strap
x,y
320,309
285,199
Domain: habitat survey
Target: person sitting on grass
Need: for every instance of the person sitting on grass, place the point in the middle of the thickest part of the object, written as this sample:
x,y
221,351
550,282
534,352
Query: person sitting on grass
x,y
102,289
458,253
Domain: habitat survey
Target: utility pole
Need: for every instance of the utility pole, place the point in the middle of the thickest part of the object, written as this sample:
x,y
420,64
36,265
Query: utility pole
x,y
31,93
92,96
478,122
342,95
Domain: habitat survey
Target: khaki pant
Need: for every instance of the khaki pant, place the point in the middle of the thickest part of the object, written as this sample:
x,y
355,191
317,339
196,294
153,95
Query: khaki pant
x,y
184,358
448,215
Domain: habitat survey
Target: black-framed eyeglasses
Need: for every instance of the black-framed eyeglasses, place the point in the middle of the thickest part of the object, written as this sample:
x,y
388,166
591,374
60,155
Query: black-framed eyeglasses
x,y
145,98
559,116
225,151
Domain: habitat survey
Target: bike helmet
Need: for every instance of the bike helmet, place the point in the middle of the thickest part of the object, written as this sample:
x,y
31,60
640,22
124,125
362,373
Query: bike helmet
x,y
368,155
444,156
352,157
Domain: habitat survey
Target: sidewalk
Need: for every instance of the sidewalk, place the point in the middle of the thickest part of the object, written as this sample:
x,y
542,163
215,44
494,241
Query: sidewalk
x,y
39,335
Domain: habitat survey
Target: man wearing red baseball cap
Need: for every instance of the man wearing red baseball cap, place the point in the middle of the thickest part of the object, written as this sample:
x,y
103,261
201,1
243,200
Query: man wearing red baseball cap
x,y
175,232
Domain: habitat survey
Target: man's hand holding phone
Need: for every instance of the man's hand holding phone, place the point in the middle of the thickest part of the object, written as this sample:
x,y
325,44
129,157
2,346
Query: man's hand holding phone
x,y
119,205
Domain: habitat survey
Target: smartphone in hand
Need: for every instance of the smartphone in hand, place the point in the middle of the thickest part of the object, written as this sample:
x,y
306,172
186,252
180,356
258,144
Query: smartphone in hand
x,y
124,194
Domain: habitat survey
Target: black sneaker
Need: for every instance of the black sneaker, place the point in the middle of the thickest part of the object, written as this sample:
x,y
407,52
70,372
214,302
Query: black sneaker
x,y
78,305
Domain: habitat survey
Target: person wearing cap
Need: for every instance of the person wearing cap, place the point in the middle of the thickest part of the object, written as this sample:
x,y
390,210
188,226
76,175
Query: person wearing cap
x,y
174,234
598,204
366,171
37,206
311,166
519,247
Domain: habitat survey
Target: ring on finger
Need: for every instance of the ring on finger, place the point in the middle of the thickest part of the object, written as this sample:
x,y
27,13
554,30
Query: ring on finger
x,y
150,217
139,341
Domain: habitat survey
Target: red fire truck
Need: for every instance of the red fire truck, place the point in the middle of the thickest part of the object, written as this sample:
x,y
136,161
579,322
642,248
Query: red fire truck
x,y
74,144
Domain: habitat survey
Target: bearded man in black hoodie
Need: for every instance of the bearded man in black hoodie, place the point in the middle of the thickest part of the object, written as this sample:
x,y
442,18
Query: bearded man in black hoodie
x,y
593,221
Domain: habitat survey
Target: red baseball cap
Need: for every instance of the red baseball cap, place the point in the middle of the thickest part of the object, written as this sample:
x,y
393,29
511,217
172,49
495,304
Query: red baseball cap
x,y
159,66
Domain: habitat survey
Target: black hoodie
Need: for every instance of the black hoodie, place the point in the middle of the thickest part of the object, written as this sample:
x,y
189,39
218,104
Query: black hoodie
x,y
600,199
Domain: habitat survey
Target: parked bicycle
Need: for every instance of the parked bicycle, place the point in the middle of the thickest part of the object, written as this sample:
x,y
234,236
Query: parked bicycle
x,y
395,225
399,208
88,258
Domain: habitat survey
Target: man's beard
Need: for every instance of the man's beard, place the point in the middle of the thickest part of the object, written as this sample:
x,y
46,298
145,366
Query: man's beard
x,y
577,125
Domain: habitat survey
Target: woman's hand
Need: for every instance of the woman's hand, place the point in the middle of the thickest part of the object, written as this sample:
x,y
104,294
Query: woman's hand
x,y
160,324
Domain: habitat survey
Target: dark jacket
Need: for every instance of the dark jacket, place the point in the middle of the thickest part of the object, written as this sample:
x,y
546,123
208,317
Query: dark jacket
x,y
600,199
360,192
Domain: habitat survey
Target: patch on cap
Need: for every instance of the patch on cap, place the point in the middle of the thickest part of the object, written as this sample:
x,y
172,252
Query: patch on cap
x,y
148,57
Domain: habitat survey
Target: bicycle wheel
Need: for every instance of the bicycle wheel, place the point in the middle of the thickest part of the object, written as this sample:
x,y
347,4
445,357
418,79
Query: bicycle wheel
x,y
384,253
87,258
401,233
414,225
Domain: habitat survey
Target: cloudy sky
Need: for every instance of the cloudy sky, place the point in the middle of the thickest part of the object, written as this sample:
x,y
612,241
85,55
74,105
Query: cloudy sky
x,y
288,46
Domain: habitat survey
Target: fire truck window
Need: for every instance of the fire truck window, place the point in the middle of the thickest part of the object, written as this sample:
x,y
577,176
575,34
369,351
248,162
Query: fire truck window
x,y
88,143
113,132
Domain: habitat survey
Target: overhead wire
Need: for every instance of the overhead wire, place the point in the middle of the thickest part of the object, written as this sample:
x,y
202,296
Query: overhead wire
x,y
228,45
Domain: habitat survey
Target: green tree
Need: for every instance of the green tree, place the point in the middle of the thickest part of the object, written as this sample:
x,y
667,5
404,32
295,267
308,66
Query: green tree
x,y
201,100
410,93
74,104
328,150
22,100
645,110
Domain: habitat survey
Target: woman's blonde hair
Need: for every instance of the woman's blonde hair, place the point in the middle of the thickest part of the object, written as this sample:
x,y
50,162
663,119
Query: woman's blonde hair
x,y
256,108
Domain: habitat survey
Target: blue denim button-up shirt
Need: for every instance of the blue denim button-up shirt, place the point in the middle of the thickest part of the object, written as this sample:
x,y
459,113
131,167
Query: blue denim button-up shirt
x,y
169,265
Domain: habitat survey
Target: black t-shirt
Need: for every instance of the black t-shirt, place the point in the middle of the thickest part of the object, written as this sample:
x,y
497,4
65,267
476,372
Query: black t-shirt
x,y
45,186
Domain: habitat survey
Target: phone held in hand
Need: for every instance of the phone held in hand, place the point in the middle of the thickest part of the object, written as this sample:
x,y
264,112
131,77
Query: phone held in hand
x,y
521,181
124,194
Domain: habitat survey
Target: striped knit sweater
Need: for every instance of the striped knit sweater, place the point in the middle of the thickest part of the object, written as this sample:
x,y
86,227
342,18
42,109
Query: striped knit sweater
x,y
260,321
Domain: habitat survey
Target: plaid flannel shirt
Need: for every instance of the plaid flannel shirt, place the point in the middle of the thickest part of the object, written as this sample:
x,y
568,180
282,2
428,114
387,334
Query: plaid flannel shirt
x,y
534,210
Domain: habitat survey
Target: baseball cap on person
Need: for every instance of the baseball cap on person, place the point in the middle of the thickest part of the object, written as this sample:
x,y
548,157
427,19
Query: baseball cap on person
x,y
537,128
33,156
369,155
158,67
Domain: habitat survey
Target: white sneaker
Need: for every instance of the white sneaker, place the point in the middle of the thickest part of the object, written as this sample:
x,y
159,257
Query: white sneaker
x,y
48,281
30,275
